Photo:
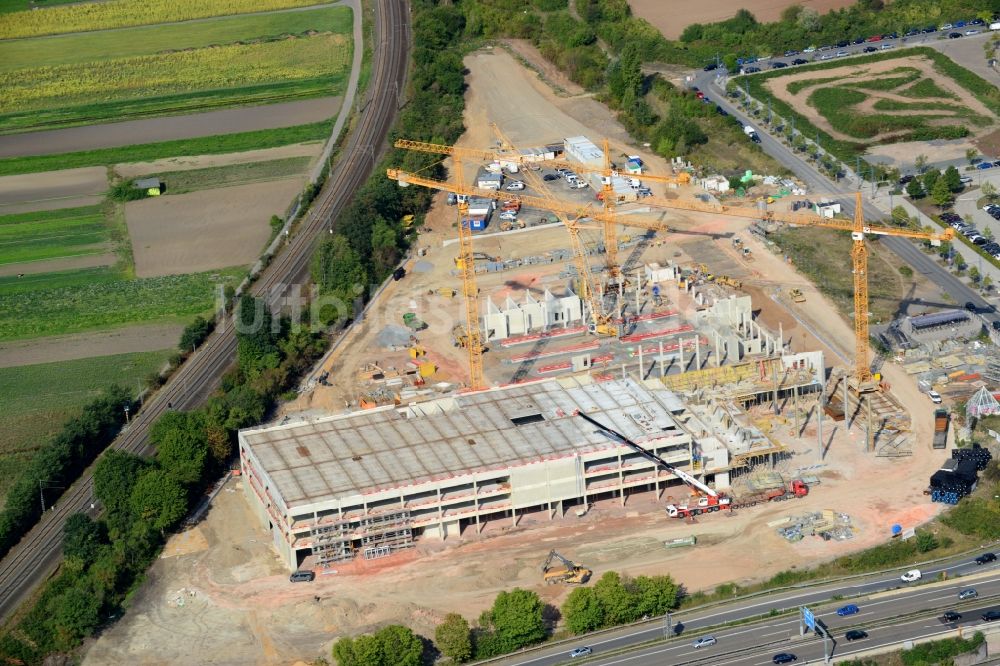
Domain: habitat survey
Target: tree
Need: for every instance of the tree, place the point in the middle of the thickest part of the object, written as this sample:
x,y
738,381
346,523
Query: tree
x,y
73,615
989,190
616,599
920,163
926,542
158,499
114,478
453,638
195,333
655,595
914,189
986,283
83,538
385,247
953,179
809,19
338,271
388,646
971,154
181,445
974,274
515,620
582,611
941,193
988,233
255,336
930,178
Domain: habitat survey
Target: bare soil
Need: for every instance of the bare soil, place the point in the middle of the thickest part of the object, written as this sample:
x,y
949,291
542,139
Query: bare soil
x,y
672,16
219,595
152,130
201,231
544,68
940,150
60,264
799,100
86,345
52,189
136,169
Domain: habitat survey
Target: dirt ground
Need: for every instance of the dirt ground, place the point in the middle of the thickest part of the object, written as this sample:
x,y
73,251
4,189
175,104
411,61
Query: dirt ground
x,y
201,231
60,264
902,154
53,189
672,16
220,596
799,100
136,169
86,345
210,123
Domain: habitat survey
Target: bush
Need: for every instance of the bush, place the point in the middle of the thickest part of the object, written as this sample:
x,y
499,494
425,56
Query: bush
x,y
195,333
126,190
942,651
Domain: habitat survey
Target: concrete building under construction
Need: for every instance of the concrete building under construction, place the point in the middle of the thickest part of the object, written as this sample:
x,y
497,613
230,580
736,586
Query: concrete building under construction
x,y
370,482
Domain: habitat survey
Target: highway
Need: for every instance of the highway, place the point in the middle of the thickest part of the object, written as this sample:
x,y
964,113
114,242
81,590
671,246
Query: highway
x,y
695,623
818,183
37,555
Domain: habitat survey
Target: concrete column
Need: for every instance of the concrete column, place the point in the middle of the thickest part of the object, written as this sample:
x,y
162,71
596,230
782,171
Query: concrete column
x,y
513,517
847,407
697,351
680,350
661,357
781,338
718,350
642,368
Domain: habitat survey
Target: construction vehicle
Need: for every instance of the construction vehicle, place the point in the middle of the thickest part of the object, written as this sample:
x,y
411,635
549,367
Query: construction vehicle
x,y
729,282
476,256
796,295
737,243
413,322
709,500
461,340
941,418
507,225
569,573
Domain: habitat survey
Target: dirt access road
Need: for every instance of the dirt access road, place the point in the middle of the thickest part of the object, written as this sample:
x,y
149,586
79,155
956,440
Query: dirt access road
x,y
672,16
169,128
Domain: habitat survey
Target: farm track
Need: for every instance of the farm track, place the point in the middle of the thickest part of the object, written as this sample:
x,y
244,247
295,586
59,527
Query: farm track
x,y
37,555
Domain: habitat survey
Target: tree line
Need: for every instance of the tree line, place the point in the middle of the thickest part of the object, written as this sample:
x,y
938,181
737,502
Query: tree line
x,y
143,499
517,619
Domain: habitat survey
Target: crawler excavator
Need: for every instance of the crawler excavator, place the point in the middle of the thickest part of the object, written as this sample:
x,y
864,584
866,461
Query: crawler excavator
x,y
569,573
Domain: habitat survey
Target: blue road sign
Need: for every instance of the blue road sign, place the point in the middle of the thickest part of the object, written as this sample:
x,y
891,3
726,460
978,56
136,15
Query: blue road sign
x,y
809,618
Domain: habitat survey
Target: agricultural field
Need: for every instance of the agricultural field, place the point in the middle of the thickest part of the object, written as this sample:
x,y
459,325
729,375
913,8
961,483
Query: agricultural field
x,y
181,82
192,180
90,299
912,95
67,232
90,16
35,400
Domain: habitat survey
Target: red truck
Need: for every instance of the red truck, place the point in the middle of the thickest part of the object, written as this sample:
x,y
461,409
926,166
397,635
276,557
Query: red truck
x,y
709,504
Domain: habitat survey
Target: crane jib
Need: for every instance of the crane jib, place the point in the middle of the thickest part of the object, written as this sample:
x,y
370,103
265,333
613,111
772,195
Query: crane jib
x,y
652,457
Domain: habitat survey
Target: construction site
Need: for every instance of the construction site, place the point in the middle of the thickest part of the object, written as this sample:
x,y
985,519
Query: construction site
x,y
615,369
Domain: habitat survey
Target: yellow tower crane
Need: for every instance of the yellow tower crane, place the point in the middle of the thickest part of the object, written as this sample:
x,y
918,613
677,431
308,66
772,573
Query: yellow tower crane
x,y
473,340
857,227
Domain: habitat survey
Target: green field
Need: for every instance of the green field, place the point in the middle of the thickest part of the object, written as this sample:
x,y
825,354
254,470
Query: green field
x,y
173,83
147,40
76,301
35,400
109,14
192,180
68,232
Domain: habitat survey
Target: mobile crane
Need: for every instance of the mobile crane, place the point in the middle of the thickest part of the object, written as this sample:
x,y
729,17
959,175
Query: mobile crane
x,y
569,573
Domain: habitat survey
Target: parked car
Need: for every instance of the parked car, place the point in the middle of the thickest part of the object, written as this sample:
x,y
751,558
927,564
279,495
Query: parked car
x,y
514,186
778,64
704,641
869,49
710,66
788,657
914,574
799,61
849,609
856,635
549,177
302,576
809,49
581,652
969,593
886,47
946,26
751,70
508,216
977,21
936,399
789,54
929,29
972,32
826,56
841,54
954,35
985,165
859,40
970,306
906,179
874,38
989,616
911,33
950,616
959,24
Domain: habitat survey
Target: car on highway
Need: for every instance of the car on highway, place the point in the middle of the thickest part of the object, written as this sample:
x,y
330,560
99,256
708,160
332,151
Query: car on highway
x,y
969,593
704,641
954,35
581,652
784,658
988,616
986,558
914,574
303,576
950,616
869,49
856,635
849,609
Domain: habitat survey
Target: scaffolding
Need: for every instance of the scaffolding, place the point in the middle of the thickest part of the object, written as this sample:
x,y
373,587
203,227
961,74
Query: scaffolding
x,y
378,535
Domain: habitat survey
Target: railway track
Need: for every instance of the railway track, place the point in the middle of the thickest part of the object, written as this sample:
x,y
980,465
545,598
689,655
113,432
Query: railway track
x,y
37,555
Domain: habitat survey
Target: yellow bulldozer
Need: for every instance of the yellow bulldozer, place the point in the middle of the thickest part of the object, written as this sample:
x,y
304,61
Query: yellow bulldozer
x,y
796,295
566,571
729,282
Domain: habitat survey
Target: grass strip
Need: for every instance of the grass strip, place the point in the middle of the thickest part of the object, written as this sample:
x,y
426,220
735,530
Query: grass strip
x,y
206,145
192,180
48,235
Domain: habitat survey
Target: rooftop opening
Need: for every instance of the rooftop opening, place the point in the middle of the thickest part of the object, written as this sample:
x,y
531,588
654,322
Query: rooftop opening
x,y
527,418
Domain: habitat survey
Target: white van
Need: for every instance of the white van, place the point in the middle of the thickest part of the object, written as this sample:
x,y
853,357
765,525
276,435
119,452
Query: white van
x,y
995,26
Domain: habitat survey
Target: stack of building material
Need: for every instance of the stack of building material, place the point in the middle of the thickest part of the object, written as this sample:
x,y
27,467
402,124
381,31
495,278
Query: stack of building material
x,y
955,480
977,454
